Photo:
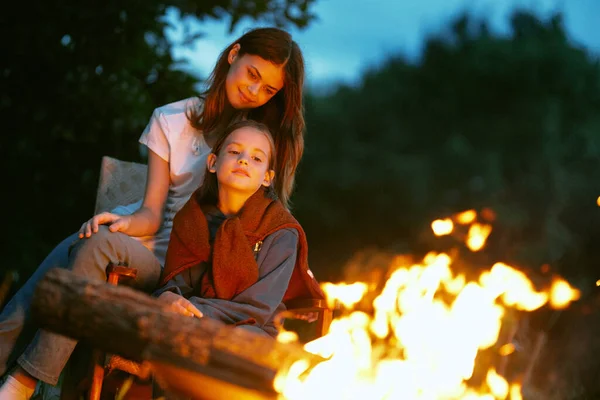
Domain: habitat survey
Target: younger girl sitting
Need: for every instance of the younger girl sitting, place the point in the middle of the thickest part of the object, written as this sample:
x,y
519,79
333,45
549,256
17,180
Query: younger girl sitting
x,y
235,252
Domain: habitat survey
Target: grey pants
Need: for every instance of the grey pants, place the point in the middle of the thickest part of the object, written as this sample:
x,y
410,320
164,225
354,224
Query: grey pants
x,y
44,354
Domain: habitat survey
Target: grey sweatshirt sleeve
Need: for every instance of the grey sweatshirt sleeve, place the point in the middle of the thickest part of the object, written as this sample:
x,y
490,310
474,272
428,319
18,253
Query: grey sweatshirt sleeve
x,y
276,261
181,284
176,285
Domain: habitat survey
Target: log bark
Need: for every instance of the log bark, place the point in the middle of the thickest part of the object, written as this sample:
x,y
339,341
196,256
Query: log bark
x,y
120,320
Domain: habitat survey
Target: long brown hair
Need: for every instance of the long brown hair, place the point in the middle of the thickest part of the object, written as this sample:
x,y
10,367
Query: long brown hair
x,y
208,193
283,114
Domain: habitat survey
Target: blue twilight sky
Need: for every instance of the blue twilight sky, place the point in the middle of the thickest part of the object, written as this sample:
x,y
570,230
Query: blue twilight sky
x,y
351,35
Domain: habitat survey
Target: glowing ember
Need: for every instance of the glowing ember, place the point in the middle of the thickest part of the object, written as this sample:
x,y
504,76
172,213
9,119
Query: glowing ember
x,y
478,234
427,328
466,217
507,349
598,201
561,294
442,227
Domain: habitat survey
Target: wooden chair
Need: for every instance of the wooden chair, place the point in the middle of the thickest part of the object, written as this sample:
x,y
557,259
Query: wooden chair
x,y
123,182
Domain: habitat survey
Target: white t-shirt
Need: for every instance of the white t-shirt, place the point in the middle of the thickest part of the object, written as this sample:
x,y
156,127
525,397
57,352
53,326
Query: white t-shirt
x,y
170,135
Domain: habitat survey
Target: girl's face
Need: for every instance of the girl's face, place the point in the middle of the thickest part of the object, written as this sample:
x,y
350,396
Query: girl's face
x,y
243,162
251,80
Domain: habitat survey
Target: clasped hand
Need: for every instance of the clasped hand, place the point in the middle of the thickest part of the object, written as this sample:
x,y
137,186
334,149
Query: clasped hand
x,y
115,222
179,305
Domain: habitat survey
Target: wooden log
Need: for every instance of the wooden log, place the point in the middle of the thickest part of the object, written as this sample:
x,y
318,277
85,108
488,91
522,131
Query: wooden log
x,y
120,320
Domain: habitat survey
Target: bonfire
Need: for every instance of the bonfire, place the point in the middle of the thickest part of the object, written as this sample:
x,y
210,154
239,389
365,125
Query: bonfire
x,y
424,333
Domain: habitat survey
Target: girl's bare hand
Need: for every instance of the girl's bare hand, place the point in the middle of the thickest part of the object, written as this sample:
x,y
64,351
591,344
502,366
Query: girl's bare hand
x,y
179,305
116,223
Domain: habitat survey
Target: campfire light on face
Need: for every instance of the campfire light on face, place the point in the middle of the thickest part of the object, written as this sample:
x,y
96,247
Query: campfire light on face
x,y
426,330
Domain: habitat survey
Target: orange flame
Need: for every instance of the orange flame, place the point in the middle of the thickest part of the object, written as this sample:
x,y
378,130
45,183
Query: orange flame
x,y
477,236
466,217
442,227
343,293
515,392
426,330
497,384
561,294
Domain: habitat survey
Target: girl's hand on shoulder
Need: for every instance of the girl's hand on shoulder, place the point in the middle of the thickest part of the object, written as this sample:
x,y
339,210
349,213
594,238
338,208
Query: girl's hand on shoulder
x,y
179,305
121,224
116,223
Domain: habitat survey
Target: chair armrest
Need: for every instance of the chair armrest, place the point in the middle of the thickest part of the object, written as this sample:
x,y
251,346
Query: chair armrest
x,y
298,304
307,310
115,272
139,369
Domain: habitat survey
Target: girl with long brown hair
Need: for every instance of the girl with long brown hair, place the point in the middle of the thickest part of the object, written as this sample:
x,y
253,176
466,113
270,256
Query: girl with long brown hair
x,y
236,253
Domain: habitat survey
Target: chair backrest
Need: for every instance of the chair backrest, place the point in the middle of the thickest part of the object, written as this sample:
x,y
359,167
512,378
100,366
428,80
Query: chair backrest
x,y
120,183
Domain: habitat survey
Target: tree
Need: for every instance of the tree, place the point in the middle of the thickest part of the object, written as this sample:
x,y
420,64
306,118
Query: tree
x,y
79,81
480,121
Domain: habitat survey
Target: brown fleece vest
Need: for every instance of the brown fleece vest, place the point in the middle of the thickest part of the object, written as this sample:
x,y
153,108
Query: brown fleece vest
x,y
234,267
